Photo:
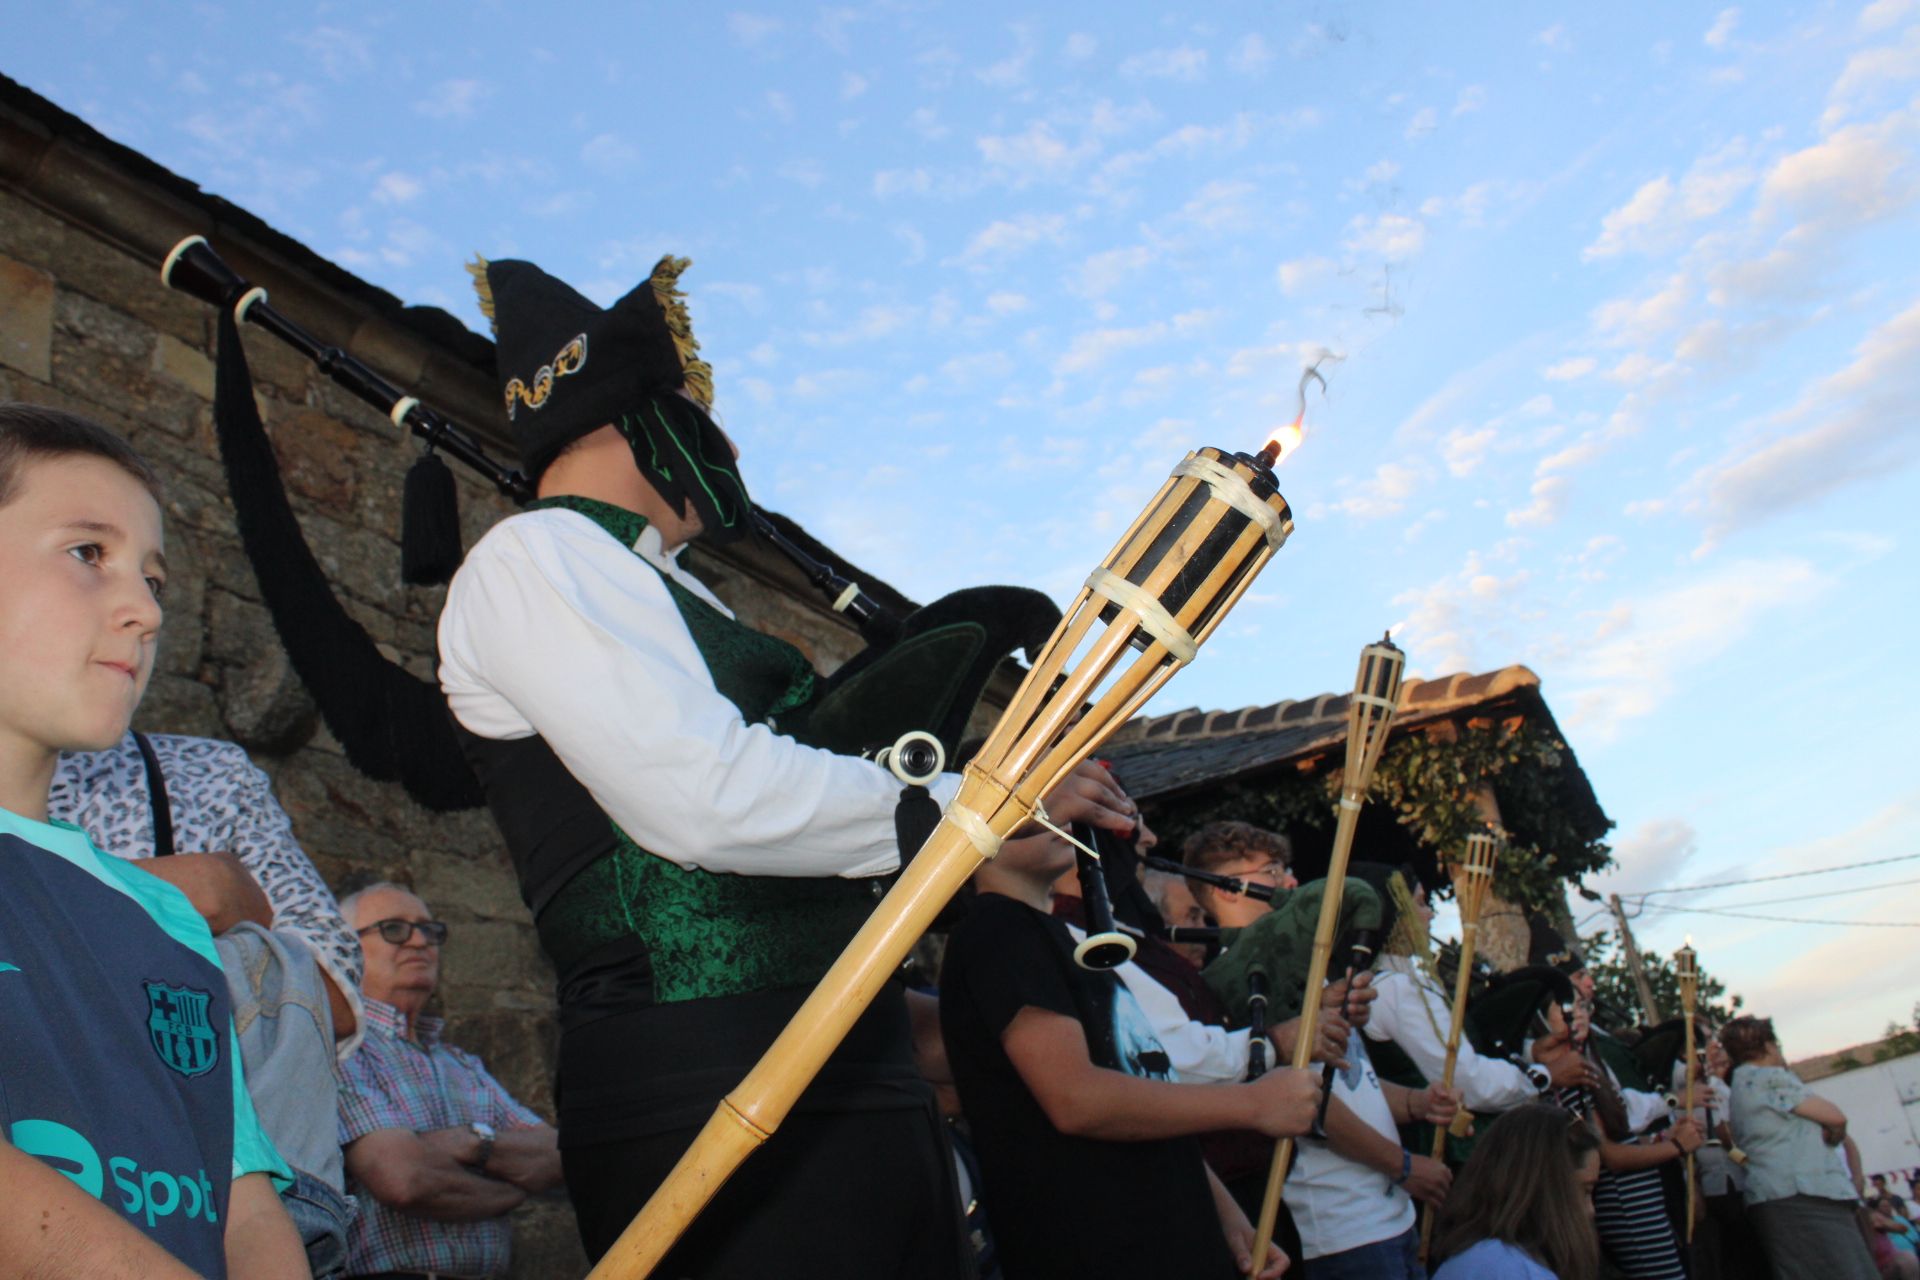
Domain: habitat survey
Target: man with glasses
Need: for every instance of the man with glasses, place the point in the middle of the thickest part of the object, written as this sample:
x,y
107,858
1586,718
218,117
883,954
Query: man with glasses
x,y
437,1152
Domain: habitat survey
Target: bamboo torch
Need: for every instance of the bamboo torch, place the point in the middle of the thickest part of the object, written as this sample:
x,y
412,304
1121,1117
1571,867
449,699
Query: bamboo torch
x,y
1376,696
1476,880
1140,617
1688,973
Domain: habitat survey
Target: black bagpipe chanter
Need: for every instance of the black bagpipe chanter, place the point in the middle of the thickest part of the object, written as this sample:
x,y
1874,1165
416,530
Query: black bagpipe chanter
x,y
904,700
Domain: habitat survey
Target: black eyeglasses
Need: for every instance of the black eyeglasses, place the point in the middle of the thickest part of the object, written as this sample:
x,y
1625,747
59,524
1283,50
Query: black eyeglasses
x,y
398,931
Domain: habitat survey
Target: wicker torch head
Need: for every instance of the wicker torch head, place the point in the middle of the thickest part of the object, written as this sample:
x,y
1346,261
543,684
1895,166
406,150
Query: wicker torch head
x,y
1686,969
1476,879
1141,616
1376,696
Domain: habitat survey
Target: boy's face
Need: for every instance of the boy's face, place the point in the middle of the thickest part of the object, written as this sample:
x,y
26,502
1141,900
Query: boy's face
x,y
80,567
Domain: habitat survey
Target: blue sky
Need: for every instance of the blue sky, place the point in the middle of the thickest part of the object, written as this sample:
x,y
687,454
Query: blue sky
x,y
1628,305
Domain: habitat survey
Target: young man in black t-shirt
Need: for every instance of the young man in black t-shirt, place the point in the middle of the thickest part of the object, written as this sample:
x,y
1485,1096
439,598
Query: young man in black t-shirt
x,y
1089,1166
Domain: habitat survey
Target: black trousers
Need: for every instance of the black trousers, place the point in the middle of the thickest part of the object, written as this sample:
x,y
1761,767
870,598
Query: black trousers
x,y
833,1195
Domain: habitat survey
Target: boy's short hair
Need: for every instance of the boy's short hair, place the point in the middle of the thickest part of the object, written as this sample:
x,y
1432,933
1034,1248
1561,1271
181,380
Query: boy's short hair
x,y
1218,843
29,431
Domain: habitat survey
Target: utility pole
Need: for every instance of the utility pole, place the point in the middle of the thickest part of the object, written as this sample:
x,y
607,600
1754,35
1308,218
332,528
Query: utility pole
x,y
1634,966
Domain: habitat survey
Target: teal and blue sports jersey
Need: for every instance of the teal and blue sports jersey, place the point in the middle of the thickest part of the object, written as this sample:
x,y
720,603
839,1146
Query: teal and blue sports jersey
x,y
117,1063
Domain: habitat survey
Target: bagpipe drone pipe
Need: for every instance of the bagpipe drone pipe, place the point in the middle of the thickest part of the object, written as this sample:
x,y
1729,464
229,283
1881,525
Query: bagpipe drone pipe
x,y
905,699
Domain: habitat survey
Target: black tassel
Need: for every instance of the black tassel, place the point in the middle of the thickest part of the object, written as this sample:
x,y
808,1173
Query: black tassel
x,y
430,547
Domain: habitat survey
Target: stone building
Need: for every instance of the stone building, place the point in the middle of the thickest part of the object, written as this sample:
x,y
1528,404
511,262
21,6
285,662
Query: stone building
x,y
86,325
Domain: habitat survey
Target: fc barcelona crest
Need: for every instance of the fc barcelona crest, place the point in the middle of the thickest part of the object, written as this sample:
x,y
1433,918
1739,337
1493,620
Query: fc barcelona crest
x,y
180,1030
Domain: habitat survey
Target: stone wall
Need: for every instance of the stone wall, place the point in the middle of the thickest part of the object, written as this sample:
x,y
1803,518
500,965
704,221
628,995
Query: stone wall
x,y
86,325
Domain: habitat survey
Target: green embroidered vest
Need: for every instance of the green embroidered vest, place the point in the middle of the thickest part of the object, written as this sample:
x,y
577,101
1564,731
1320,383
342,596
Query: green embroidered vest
x,y
707,933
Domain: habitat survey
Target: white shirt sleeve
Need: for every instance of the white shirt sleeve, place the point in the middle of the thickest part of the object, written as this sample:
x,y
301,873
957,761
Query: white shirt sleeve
x,y
1401,1014
553,628
1201,1054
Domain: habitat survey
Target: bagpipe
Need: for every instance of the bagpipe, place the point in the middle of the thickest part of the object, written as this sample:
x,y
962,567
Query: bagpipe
x,y
903,700
1231,884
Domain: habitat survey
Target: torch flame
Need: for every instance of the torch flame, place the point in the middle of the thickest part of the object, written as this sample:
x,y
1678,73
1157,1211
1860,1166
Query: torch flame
x,y
1285,439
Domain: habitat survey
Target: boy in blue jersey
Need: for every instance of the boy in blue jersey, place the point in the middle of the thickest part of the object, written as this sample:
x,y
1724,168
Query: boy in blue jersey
x,y
130,1146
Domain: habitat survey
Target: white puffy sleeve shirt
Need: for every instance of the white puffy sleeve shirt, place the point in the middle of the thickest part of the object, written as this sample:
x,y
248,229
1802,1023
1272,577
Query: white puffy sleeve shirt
x,y
551,627
1413,1015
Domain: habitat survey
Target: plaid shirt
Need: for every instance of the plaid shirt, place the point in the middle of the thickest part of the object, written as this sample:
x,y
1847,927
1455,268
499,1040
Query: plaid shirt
x,y
419,1085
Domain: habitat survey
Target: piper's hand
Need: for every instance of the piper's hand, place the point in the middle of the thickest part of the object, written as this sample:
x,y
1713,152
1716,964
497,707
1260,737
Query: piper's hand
x,y
1354,998
1089,794
1686,1136
1571,1071
1430,1181
1436,1104
1330,1045
1284,1102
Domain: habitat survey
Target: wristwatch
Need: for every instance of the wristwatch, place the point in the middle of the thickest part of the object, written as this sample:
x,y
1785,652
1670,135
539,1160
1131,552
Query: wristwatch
x,y
483,1131
1541,1077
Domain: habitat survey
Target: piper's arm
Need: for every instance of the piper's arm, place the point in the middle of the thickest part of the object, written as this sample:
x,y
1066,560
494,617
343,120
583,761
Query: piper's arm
x,y
51,1229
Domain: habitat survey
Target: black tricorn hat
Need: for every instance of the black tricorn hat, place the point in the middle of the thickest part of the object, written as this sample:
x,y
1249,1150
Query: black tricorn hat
x,y
1546,947
568,367
1502,1021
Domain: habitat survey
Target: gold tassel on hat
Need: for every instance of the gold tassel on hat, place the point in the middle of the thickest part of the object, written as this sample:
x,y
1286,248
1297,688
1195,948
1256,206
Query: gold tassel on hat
x,y
478,270
673,305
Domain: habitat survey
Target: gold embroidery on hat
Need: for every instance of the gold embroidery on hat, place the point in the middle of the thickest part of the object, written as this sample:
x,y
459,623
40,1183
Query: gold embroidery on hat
x,y
572,358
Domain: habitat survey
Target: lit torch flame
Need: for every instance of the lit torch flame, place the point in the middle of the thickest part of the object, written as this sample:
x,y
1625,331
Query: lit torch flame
x,y
1285,439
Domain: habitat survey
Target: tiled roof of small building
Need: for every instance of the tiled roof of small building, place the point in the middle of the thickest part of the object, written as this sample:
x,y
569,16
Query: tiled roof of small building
x,y
1158,756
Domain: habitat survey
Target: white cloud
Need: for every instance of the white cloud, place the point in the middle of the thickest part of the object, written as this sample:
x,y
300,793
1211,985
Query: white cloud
x,y
1450,623
1006,303
1882,14
1182,63
1471,99
1549,500
852,85
397,188
1036,153
1555,37
1384,494
1638,320
1009,236
1722,29
1080,46
1464,450
1424,121
1299,273
609,153
1104,272
895,182
1838,432
1093,349
1869,69
753,30
452,100
1625,224
1651,641
1392,236
1651,855
1251,55
1011,71
1573,367
780,104
1859,174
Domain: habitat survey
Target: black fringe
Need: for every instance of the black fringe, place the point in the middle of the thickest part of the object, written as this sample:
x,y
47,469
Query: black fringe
x,y
394,726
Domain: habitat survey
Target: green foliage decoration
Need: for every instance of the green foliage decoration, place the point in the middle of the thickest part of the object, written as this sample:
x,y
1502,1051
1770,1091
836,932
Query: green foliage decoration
x,y
1429,784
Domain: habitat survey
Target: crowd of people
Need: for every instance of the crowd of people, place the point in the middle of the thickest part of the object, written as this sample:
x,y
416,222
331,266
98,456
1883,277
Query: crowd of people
x,y
246,1079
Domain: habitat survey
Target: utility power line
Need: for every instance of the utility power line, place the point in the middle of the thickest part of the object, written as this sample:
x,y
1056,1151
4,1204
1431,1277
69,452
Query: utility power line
x,y
1784,875
1800,897
1746,915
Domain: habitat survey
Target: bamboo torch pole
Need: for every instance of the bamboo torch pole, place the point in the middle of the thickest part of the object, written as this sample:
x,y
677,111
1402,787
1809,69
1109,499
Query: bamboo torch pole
x,y
1141,616
1483,850
1376,696
1688,972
